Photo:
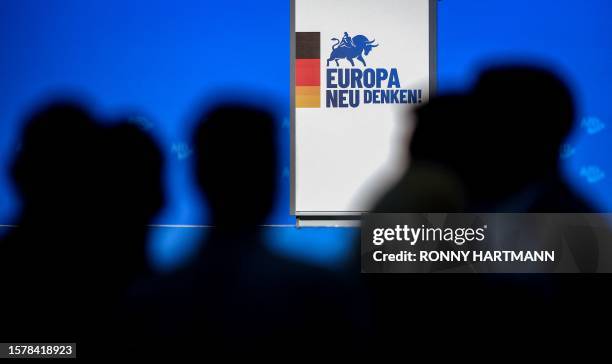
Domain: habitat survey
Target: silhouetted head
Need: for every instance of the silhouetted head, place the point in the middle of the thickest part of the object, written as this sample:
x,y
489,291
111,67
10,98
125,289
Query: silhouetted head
x,y
443,131
135,166
502,137
527,112
439,160
236,163
56,168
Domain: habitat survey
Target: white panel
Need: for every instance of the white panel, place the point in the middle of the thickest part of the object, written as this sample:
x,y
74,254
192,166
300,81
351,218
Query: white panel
x,y
344,156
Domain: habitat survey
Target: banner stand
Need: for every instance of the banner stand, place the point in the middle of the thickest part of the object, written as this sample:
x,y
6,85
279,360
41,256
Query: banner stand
x,y
398,40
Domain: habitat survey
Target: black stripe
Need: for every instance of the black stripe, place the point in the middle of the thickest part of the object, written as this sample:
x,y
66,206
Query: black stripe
x,y
308,45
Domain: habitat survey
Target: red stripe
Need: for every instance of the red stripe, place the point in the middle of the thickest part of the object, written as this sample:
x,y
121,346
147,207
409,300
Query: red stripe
x,y
307,72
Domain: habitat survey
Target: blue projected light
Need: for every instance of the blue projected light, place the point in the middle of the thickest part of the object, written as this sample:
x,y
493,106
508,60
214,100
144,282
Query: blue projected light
x,y
157,61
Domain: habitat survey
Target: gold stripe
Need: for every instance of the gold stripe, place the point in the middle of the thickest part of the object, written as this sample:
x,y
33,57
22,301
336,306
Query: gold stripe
x,y
307,96
308,102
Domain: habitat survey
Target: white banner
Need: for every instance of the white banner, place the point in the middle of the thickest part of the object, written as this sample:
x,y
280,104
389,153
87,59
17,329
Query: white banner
x,y
358,66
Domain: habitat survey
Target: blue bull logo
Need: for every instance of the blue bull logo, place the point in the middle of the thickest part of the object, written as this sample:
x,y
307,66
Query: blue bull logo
x,y
350,48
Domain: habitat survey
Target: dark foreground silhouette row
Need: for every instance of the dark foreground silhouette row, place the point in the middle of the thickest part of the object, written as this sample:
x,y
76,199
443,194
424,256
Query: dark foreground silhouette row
x,y
75,268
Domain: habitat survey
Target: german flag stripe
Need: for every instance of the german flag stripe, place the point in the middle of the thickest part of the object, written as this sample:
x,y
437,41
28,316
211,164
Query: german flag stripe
x,y
308,96
307,45
308,70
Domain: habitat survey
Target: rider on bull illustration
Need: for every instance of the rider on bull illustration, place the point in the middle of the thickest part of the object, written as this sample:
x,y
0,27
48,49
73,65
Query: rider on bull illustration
x,y
351,48
347,41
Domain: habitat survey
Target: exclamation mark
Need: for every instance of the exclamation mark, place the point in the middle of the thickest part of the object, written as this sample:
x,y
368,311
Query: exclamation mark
x,y
420,96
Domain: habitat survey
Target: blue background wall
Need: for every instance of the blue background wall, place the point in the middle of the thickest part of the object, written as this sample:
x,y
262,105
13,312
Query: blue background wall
x,y
156,61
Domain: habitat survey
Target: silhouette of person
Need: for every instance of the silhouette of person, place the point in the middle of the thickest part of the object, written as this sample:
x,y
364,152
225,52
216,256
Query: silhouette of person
x,y
433,180
502,148
495,149
492,149
237,288
87,193
524,114
236,167
46,259
522,154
